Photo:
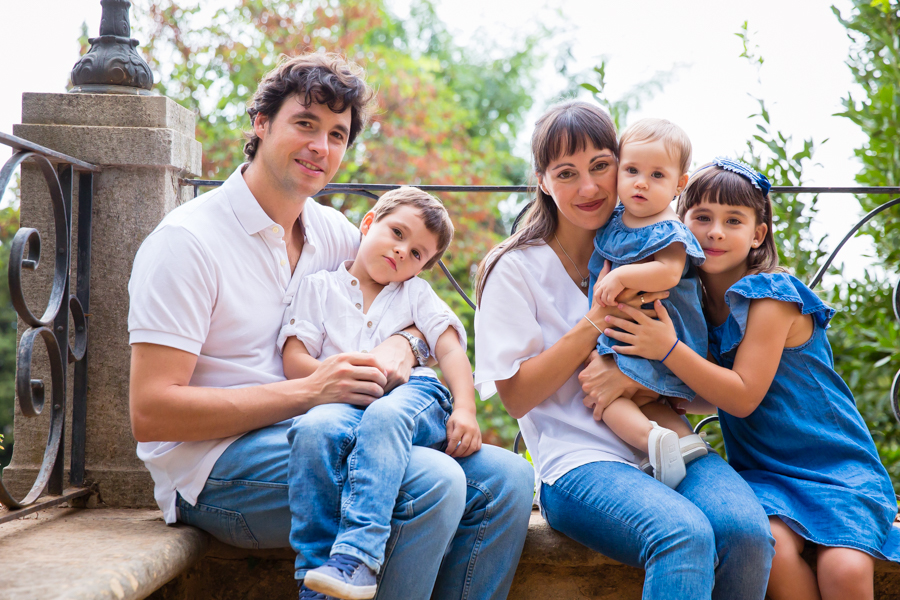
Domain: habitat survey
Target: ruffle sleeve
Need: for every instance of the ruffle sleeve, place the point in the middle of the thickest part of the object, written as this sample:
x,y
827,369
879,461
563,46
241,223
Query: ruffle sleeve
x,y
621,244
778,286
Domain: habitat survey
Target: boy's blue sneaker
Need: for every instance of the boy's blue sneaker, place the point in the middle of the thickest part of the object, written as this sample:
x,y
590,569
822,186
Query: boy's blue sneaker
x,y
343,576
308,594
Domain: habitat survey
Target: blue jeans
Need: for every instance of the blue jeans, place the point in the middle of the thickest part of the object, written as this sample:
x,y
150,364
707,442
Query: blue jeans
x,y
457,529
379,440
709,538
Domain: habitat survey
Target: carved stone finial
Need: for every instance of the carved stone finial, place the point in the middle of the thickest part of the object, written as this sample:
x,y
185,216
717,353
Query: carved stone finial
x,y
112,65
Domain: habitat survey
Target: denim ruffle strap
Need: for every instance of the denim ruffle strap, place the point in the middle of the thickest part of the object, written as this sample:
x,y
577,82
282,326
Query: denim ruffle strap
x,y
621,244
778,286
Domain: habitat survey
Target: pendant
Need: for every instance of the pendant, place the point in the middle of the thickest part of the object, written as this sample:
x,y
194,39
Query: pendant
x,y
584,282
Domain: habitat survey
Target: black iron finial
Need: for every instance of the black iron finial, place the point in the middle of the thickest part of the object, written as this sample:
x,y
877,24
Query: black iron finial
x,y
112,65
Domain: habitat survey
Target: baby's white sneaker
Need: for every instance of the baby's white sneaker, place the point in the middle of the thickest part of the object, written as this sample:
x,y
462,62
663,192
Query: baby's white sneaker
x,y
692,447
664,452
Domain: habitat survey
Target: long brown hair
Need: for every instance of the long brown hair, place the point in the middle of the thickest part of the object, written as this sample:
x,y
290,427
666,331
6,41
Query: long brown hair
x,y
712,183
565,129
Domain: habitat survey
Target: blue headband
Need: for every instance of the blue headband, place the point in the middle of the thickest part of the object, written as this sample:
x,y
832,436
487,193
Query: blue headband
x,y
758,180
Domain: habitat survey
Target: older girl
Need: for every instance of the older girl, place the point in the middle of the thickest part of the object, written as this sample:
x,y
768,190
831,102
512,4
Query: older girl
x,y
790,424
707,538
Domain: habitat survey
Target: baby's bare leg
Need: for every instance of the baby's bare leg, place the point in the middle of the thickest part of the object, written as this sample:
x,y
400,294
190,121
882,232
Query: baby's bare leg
x,y
627,421
664,415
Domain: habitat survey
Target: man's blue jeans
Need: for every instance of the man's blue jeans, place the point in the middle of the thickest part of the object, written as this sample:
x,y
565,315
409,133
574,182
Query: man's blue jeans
x,y
709,538
457,528
366,466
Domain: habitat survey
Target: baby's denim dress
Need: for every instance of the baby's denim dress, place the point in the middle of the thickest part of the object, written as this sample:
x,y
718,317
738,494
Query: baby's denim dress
x,y
805,450
622,245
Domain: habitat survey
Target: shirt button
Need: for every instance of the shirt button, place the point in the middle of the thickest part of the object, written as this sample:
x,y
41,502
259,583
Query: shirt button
x,y
369,324
365,350
359,306
274,230
283,262
292,321
353,282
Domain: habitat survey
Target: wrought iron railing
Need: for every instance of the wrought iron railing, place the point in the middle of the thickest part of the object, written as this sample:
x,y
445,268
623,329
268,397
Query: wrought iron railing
x,y
368,190
52,326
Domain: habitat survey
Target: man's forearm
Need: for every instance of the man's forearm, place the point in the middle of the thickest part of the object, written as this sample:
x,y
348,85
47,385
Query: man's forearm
x,y
165,407
182,413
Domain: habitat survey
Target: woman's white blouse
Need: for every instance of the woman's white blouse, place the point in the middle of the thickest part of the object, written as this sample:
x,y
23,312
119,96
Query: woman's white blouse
x,y
529,302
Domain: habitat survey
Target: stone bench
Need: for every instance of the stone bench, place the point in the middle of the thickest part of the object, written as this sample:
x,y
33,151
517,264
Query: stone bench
x,y
126,554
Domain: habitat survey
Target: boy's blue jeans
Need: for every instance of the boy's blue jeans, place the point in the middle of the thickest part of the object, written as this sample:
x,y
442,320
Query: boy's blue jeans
x,y
373,455
457,528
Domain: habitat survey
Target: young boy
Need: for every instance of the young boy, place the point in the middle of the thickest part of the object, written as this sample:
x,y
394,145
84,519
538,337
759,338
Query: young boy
x,y
353,310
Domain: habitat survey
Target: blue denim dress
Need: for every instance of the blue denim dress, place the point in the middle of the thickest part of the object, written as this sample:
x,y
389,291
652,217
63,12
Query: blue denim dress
x,y
622,245
806,451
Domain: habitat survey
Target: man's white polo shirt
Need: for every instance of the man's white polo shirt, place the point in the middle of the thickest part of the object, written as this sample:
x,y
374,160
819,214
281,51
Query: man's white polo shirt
x,y
213,279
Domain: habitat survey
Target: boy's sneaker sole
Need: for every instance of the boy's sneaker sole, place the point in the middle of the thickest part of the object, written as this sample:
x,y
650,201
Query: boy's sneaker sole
x,y
337,588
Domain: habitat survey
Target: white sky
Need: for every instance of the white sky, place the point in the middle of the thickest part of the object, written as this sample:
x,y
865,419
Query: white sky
x,y
803,79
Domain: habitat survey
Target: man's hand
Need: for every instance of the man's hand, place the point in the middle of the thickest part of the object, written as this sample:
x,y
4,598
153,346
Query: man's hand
x,y
463,434
396,360
602,382
354,378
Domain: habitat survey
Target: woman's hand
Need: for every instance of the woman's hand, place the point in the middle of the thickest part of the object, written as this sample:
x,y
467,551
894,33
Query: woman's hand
x,y
602,382
649,338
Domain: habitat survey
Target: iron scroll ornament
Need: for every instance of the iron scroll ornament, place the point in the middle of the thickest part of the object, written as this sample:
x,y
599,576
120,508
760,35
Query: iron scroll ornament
x,y
25,252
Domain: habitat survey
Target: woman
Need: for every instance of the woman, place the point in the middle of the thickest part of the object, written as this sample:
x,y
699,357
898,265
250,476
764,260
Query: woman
x,y
707,538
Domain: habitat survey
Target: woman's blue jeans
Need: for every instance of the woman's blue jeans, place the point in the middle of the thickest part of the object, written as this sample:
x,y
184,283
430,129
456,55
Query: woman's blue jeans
x,y
709,538
457,528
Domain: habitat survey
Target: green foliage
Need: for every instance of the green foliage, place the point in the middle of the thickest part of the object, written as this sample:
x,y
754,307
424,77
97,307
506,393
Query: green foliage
x,y
874,28
446,114
864,336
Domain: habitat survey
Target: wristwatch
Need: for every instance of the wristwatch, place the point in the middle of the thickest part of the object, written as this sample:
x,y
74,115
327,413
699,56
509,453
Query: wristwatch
x,y
419,348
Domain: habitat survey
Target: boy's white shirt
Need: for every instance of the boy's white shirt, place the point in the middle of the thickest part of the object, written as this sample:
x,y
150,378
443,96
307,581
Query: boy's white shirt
x,y
214,279
327,315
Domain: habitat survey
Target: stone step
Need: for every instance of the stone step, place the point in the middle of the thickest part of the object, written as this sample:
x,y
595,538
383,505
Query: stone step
x,y
120,554
81,554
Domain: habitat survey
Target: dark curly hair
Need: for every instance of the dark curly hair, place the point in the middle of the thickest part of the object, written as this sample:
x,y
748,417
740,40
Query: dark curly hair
x,y
323,78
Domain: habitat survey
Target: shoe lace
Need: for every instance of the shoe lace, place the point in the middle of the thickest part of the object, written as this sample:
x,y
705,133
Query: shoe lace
x,y
308,594
344,563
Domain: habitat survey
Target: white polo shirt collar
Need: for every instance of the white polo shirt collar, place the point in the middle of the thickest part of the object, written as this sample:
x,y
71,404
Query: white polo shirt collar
x,y
254,219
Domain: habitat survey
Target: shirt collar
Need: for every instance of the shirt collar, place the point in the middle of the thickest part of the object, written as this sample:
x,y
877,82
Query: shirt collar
x,y
246,208
250,214
346,279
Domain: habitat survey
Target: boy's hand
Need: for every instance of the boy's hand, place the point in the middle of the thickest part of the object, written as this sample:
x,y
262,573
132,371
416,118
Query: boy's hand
x,y
463,434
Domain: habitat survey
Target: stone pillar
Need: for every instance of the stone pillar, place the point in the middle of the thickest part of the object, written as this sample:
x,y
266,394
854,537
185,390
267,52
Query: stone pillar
x,y
144,145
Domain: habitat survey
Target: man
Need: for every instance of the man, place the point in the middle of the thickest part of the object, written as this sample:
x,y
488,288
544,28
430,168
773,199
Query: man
x,y
209,402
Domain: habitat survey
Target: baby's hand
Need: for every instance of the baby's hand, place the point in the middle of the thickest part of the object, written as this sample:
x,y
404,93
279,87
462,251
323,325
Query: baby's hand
x,y
609,288
463,434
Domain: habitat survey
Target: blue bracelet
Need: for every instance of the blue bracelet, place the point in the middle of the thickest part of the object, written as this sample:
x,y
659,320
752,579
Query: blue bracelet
x,y
670,350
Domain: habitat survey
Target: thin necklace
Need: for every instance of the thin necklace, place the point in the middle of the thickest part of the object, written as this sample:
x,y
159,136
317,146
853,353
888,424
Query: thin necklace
x,y
584,280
